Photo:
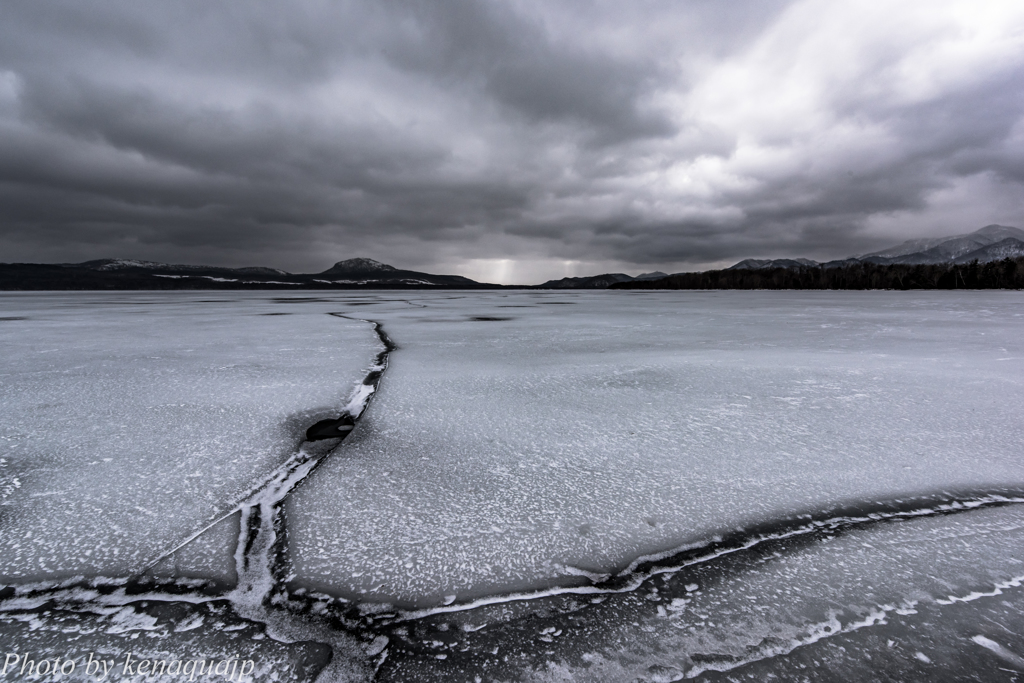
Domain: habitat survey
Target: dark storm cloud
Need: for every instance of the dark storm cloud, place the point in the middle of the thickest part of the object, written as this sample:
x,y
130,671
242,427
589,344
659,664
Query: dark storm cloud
x,y
514,61
437,134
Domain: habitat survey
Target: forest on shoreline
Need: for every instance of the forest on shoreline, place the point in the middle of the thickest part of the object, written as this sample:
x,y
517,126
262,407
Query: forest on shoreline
x,y
1005,274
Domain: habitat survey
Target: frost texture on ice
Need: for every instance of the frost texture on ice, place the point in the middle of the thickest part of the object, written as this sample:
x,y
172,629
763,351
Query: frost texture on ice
x,y
520,440
924,581
209,556
129,422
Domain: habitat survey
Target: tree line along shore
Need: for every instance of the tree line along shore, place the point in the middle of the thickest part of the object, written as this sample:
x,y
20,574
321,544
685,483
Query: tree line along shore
x,y
1005,274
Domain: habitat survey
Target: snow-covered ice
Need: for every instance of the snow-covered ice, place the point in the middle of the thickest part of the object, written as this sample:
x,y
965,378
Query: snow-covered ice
x,y
523,439
207,556
129,422
881,593
837,464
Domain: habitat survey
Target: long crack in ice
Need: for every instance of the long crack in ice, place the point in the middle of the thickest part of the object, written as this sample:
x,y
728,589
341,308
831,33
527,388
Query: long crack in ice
x,y
259,554
258,557
670,561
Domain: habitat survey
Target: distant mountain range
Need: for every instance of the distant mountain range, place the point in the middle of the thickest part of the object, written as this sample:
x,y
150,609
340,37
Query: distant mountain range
x,y
991,243
147,275
598,281
755,264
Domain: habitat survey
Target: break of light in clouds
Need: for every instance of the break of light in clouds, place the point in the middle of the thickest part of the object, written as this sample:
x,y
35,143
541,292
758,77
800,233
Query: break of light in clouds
x,y
508,140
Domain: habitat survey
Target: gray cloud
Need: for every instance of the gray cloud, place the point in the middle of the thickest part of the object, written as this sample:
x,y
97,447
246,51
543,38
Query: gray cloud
x,y
554,136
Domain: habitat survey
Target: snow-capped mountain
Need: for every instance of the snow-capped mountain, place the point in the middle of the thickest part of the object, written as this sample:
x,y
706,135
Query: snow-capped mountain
x,y
754,264
991,243
364,271
947,249
599,281
359,265
1011,247
111,264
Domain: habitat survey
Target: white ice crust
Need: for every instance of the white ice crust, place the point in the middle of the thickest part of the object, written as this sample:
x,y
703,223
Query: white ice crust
x,y
129,422
590,429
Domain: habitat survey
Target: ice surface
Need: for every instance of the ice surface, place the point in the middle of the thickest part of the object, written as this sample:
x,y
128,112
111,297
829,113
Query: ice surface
x,y
925,585
211,555
167,638
519,440
129,422
522,439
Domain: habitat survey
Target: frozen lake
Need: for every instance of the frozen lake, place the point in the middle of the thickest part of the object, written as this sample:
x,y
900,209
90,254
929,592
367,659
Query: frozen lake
x,y
522,439
548,475
130,421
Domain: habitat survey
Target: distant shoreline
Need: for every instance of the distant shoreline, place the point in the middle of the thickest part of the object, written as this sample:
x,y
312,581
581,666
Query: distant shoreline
x,y
1005,274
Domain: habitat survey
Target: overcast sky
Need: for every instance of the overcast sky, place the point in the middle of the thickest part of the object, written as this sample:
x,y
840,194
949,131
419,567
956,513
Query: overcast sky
x,y
508,141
